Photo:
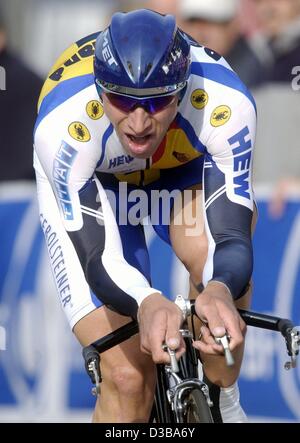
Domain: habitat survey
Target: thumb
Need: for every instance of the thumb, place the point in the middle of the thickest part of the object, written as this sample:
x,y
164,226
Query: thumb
x,y
213,321
216,324
218,331
173,342
173,335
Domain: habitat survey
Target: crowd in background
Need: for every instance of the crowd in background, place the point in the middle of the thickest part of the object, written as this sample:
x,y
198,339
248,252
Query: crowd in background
x,y
17,113
259,38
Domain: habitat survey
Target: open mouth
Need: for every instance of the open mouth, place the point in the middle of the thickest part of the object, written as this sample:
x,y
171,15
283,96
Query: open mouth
x,y
139,146
139,140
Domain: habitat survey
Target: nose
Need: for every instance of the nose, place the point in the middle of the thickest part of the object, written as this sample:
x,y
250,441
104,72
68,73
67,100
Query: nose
x,y
139,120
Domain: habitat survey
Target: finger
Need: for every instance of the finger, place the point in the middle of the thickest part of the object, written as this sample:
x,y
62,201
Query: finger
x,y
173,342
160,355
243,326
144,341
145,350
144,345
157,339
207,349
209,339
235,333
173,336
206,336
212,317
181,350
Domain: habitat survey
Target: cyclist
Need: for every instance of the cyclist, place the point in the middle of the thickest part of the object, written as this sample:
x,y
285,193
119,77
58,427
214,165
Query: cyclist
x,y
136,109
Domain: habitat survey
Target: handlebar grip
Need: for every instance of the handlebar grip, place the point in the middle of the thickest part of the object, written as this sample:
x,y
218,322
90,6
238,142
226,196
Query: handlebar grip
x,y
89,353
285,326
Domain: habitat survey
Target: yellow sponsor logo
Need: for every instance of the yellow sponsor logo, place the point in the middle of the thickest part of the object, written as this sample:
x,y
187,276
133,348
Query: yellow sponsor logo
x,y
199,98
75,56
79,132
220,116
94,109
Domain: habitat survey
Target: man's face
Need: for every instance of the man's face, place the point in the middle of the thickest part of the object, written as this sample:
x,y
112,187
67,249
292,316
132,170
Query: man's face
x,y
139,131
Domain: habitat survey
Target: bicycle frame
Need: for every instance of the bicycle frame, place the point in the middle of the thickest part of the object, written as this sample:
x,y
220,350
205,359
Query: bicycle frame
x,y
173,382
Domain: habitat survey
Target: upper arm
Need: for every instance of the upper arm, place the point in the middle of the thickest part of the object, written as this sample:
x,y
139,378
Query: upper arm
x,y
230,150
229,198
67,163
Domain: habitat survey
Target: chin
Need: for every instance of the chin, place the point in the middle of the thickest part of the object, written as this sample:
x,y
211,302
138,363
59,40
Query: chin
x,y
141,155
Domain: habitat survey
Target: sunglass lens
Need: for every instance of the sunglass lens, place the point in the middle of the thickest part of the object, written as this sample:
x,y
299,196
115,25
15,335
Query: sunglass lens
x,y
127,104
158,103
121,102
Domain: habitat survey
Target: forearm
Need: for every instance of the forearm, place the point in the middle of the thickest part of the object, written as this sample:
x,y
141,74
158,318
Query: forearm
x,y
233,264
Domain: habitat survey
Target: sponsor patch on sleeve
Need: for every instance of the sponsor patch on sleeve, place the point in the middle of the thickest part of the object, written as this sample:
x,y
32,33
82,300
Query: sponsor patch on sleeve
x,y
199,98
94,109
79,132
220,116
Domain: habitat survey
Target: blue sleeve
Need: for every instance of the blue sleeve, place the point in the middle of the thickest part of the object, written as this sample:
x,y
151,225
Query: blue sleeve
x,y
229,230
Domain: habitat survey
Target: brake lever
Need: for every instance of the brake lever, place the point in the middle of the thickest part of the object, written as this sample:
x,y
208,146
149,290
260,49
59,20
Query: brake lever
x,y
173,361
292,343
224,341
92,366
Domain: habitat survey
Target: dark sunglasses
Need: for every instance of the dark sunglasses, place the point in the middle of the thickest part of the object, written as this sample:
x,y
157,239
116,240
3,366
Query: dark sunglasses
x,y
128,104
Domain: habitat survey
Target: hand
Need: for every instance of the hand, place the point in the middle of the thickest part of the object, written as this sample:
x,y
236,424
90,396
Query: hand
x,y
159,322
216,309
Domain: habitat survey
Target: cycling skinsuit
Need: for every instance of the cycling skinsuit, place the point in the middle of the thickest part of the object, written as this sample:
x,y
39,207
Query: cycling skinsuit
x,y
96,256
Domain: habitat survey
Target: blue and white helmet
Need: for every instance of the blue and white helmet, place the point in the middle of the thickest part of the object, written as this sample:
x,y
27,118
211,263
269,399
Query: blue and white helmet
x,y
141,54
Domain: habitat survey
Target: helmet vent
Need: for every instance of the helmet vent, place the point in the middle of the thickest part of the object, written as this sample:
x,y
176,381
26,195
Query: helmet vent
x,y
148,69
129,65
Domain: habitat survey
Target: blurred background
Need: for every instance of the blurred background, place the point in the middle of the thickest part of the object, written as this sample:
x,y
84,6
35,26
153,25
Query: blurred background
x,y
41,371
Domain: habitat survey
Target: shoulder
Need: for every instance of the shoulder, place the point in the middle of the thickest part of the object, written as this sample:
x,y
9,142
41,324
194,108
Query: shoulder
x,y
79,119
212,70
69,86
72,71
216,102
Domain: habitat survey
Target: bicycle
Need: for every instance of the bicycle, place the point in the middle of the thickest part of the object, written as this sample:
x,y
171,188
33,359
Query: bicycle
x,y
180,396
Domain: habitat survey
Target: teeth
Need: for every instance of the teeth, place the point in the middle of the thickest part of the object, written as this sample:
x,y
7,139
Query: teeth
x,y
135,138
